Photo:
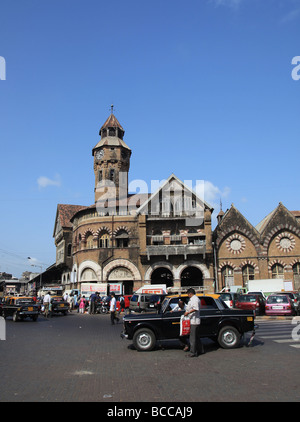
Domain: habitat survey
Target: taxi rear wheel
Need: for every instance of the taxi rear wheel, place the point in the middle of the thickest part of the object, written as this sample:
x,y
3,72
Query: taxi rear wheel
x,y
229,337
144,340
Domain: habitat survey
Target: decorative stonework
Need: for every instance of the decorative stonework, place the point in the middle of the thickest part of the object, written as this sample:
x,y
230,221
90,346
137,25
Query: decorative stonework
x,y
235,244
285,242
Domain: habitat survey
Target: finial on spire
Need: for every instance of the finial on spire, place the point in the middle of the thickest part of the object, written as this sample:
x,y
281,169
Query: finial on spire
x,y
220,204
112,109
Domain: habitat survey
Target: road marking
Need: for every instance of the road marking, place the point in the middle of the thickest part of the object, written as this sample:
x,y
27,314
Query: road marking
x,y
277,336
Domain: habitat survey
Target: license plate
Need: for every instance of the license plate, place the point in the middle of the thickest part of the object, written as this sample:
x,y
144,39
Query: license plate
x,y
62,305
30,309
277,307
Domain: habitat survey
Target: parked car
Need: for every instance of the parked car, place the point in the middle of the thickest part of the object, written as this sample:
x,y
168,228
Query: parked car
x,y
139,302
251,301
229,298
218,322
295,298
279,304
19,308
155,301
259,293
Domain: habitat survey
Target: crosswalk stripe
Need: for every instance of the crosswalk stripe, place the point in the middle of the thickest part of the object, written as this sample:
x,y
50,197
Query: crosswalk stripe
x,y
277,336
289,340
297,346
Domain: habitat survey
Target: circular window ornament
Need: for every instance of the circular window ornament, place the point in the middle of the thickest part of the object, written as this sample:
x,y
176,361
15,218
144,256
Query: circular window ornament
x,y
285,242
235,244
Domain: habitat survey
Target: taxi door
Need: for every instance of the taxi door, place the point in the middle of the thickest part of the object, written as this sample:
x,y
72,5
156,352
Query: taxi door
x,y
210,316
171,321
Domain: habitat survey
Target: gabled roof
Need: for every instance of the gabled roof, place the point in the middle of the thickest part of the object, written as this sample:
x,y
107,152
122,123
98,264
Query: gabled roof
x,y
64,214
271,217
170,179
233,218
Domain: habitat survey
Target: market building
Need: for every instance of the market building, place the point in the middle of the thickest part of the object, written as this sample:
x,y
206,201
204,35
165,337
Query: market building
x,y
165,237
269,250
159,238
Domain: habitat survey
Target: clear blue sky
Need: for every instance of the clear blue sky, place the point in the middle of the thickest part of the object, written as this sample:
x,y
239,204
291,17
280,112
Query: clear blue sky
x,y
203,89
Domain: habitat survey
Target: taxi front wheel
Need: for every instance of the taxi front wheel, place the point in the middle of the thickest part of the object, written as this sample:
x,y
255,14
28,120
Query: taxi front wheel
x,y
144,340
229,337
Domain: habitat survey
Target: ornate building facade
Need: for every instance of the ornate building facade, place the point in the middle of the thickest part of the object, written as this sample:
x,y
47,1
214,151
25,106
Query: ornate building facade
x,y
166,237
159,238
269,250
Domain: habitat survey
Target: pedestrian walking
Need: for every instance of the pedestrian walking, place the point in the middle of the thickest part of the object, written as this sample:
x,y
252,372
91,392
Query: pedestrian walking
x,y
72,302
193,312
46,303
113,309
82,305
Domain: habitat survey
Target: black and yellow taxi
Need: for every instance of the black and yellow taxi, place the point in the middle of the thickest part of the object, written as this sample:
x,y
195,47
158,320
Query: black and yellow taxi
x,y
19,308
218,322
59,305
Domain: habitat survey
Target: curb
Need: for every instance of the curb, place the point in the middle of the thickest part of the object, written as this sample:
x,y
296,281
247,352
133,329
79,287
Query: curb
x,y
274,318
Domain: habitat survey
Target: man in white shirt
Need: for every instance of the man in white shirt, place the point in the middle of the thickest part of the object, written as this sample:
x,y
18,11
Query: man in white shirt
x,y
113,308
193,312
46,303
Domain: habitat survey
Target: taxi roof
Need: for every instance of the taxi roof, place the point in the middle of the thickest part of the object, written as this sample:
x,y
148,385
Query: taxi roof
x,y
213,295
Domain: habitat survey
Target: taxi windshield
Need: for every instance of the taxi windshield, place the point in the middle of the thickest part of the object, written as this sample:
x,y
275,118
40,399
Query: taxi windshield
x,y
24,301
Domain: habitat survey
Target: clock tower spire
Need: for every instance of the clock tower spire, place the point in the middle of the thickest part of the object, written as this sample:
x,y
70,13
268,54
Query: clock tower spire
x,y
111,161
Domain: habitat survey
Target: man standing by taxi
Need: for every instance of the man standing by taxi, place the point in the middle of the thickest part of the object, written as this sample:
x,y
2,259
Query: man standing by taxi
x,y
193,312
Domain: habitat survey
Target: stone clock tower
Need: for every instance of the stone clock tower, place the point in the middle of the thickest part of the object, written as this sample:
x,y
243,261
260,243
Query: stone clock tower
x,y
111,161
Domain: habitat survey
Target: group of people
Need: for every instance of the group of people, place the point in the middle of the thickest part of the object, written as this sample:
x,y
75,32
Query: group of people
x,y
80,303
191,343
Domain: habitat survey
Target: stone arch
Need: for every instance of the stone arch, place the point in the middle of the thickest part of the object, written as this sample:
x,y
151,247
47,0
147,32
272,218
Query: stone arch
x,y
277,231
121,263
103,229
276,261
236,231
153,267
227,263
88,264
115,232
248,262
202,267
86,233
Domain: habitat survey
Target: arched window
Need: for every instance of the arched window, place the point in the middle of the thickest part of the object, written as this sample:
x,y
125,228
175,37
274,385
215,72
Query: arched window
x,y
69,251
89,241
248,273
296,272
227,276
122,239
277,271
104,240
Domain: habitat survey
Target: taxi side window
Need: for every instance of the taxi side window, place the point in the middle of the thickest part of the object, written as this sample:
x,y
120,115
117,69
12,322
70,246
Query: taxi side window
x,y
208,303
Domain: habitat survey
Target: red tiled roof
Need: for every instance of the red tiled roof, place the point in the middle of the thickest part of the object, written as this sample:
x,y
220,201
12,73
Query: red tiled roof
x,y
66,212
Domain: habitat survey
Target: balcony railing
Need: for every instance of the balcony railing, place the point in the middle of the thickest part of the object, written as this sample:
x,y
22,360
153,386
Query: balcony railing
x,y
168,250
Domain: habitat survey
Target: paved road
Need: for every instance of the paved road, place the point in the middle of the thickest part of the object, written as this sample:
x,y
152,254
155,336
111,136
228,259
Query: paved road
x,y
82,358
